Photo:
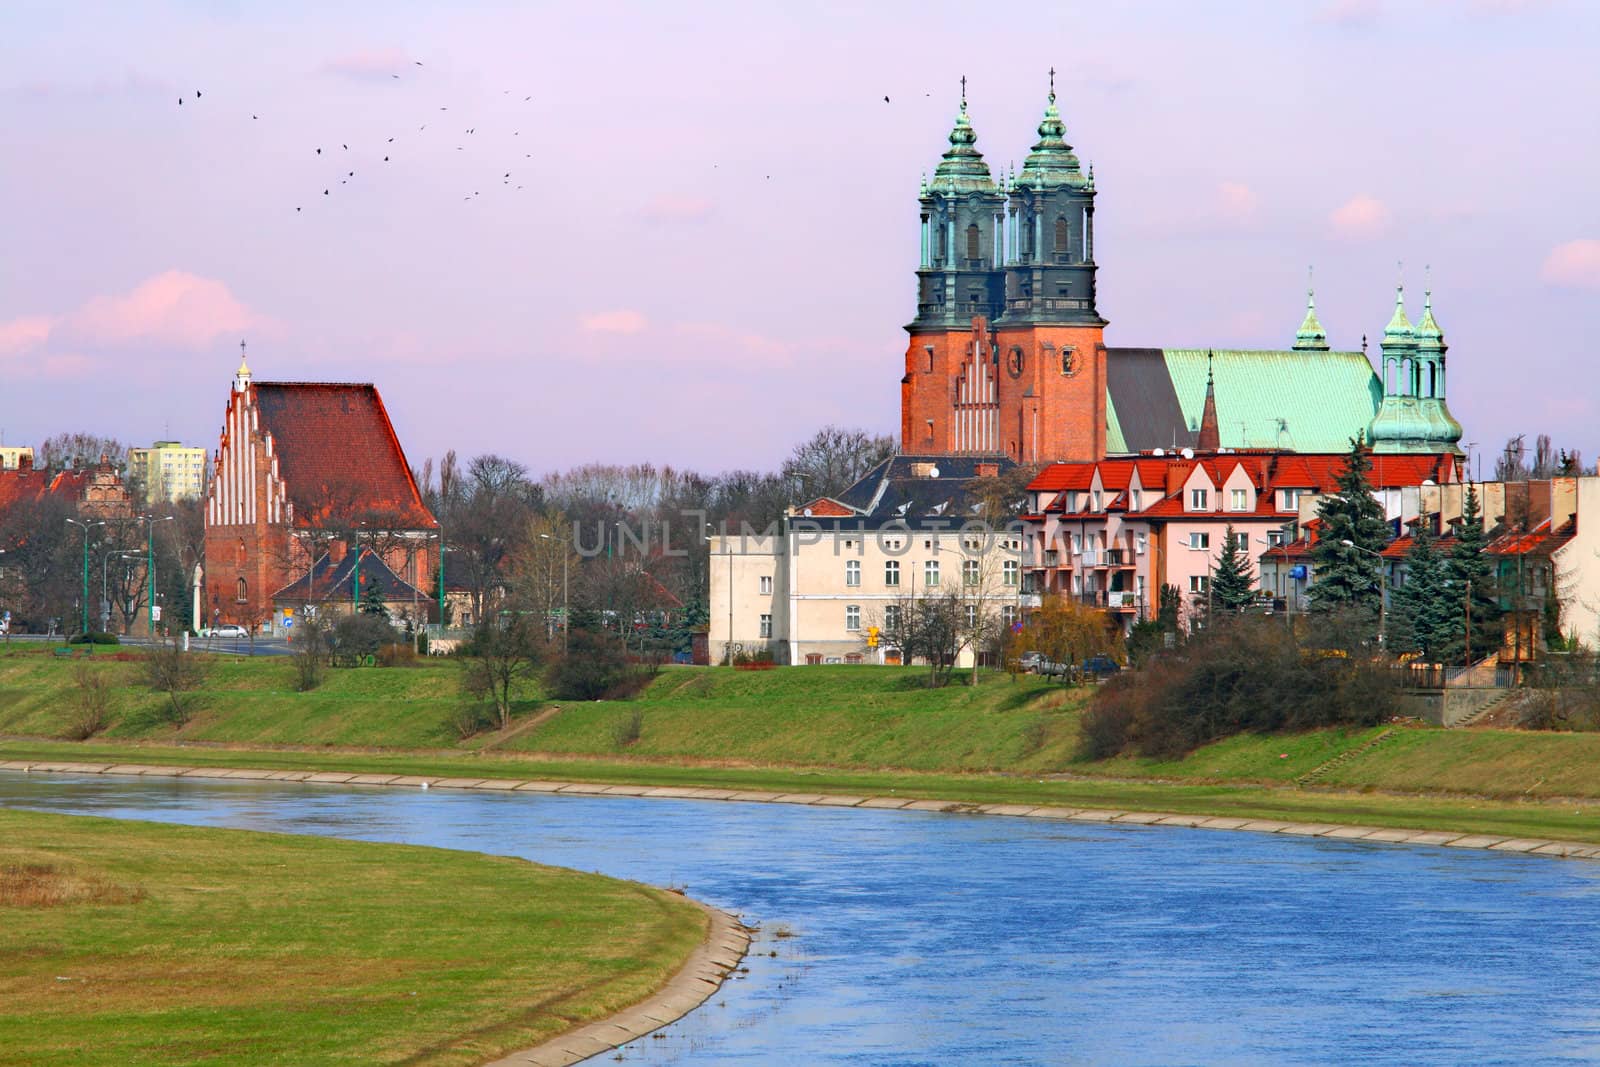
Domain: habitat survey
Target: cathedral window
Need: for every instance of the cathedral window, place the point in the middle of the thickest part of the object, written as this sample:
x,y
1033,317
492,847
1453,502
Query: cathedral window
x,y
1063,237
241,552
243,592
939,246
972,241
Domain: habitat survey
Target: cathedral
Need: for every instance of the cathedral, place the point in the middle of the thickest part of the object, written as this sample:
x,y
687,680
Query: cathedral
x,y
1007,353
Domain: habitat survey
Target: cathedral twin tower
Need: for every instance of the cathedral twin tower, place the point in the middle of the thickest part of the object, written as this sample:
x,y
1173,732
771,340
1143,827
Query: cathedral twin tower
x,y
1006,353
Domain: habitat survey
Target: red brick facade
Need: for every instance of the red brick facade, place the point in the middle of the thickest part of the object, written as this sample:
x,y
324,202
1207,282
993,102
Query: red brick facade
x,y
1033,393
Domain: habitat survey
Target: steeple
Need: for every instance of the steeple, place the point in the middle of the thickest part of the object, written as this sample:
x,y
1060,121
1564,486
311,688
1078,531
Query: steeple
x,y
1413,416
1051,162
962,169
1209,439
1311,337
241,377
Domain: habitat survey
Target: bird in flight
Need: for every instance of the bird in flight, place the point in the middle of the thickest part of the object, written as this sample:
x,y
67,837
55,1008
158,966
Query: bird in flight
x,y
319,151
197,94
180,101
886,100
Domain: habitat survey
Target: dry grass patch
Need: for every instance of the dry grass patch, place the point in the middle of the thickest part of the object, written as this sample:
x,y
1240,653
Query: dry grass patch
x,y
50,885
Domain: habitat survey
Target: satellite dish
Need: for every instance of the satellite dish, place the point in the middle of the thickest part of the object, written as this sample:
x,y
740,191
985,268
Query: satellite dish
x,y
806,513
1187,453
1429,481
933,472
1159,452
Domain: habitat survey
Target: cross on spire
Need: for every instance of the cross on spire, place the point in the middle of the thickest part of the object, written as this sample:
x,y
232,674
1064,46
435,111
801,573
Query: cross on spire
x,y
1052,85
963,92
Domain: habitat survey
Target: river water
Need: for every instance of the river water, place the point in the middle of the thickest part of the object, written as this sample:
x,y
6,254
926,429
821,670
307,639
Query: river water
x,y
946,939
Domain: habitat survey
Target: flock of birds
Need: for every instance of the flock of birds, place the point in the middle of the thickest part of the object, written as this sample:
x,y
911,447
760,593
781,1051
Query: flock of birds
x,y
345,178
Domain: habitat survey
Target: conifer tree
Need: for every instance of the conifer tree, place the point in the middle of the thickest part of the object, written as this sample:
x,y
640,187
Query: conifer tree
x,y
1350,576
1469,564
1421,618
1232,580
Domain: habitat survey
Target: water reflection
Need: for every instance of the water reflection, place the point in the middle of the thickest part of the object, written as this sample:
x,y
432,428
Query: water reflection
x,y
933,939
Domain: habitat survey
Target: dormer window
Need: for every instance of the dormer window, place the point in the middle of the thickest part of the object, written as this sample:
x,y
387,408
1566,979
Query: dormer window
x,y
1199,500
1135,500
1238,500
1095,501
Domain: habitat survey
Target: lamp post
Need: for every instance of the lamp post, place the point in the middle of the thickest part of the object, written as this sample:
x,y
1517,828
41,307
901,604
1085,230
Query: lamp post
x,y
565,624
83,604
150,569
1383,583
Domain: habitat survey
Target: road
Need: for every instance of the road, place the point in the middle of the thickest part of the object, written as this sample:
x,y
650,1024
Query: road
x,y
234,646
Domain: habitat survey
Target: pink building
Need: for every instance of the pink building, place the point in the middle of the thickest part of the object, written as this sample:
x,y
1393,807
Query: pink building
x,y
1112,533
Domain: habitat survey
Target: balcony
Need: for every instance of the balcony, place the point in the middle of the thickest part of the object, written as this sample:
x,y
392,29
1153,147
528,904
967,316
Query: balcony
x,y
1090,557
1094,598
1122,600
1118,557
1031,600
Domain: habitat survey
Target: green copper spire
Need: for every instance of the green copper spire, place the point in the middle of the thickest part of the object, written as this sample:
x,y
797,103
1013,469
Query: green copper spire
x,y
1399,328
1427,330
1051,162
1311,337
962,169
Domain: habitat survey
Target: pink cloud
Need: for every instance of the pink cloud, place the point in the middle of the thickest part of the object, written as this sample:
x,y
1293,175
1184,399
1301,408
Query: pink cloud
x,y
1351,14
1360,218
24,334
620,321
667,208
1236,201
173,308
369,64
1575,264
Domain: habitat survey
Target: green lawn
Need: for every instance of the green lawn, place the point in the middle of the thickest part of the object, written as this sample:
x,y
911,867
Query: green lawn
x,y
130,943
847,729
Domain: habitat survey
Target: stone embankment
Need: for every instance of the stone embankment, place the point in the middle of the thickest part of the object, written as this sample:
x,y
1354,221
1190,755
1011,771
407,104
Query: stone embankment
x,y
1386,835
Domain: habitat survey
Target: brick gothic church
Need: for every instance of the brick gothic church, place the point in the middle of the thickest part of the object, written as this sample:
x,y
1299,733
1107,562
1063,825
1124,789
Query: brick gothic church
x,y
1007,354
305,473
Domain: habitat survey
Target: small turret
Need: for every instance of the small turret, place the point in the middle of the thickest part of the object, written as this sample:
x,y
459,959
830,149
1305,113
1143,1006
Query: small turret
x,y
1209,439
1311,337
241,377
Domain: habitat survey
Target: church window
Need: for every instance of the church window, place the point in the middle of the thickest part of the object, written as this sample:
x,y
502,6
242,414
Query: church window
x,y
972,241
940,245
1063,237
241,552
243,592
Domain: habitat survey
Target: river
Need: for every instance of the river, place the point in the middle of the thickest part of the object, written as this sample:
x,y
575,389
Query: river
x,y
924,938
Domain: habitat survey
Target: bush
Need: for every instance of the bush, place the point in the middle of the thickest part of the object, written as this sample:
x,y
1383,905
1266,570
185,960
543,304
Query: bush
x,y
628,729
1246,674
310,654
92,712
95,637
401,655
169,669
469,720
593,666
354,637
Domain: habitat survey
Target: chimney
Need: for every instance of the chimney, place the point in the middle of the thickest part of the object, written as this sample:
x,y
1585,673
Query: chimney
x,y
25,461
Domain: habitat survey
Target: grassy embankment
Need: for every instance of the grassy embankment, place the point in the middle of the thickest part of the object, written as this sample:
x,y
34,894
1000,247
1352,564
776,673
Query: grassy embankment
x,y
136,943
823,729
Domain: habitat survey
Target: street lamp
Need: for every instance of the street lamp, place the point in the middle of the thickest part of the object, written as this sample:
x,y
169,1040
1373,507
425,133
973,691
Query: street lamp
x,y
1383,583
83,604
565,621
150,567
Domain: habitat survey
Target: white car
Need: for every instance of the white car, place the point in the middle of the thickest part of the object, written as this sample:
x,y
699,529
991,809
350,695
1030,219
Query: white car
x,y
227,630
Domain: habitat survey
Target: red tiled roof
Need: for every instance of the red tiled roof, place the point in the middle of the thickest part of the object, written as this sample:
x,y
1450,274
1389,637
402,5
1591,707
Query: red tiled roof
x,y
334,442
17,486
826,507
1540,540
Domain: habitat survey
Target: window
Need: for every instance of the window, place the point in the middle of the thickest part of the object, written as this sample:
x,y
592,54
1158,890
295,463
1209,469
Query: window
x,y
1291,498
1135,500
930,573
852,617
766,626
243,592
1063,236
891,618
1241,541
1197,499
1141,542
1239,499
891,572
241,553
766,585
939,246
1009,572
1199,540
1276,538
972,617
972,241
1095,501
852,572
969,572
1008,615
1197,583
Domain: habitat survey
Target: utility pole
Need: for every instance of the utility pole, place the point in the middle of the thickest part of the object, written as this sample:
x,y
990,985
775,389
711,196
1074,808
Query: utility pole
x,y
150,569
83,604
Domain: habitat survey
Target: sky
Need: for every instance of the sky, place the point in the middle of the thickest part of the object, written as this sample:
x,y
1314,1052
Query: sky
x,y
686,233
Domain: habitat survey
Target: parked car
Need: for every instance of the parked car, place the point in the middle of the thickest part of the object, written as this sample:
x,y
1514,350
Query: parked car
x,y
1029,662
226,630
1100,667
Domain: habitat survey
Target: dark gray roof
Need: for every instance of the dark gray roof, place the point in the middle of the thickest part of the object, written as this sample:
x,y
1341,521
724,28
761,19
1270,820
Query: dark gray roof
x,y
901,490
1145,401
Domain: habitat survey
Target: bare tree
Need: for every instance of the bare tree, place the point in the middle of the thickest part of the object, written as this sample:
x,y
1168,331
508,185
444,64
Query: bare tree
x,y
171,669
79,450
503,658
834,459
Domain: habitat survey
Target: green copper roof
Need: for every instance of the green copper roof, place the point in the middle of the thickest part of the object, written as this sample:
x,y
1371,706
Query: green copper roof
x,y
1311,335
1399,328
1427,329
1278,399
1051,163
962,169
1116,443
